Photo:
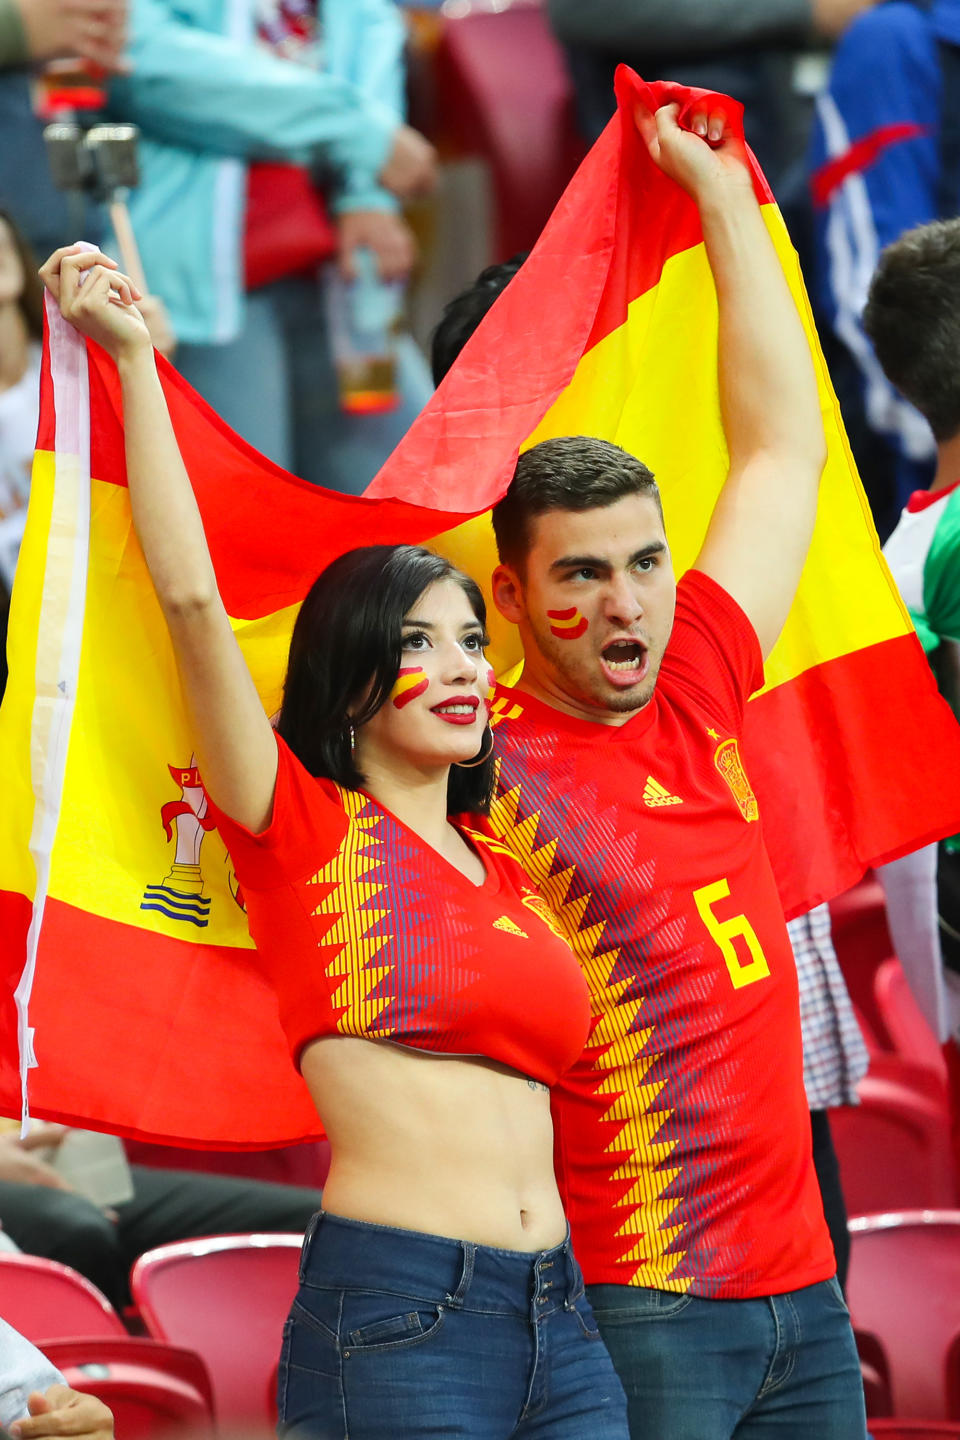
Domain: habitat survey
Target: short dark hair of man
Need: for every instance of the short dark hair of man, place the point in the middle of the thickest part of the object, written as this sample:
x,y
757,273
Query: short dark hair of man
x,y
913,319
345,655
463,313
571,472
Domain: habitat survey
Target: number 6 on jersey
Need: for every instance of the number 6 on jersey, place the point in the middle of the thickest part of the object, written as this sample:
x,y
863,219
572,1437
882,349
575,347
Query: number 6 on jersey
x,y
725,932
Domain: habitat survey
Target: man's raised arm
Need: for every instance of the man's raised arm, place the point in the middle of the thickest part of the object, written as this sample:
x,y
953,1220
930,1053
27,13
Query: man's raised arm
x,y
761,528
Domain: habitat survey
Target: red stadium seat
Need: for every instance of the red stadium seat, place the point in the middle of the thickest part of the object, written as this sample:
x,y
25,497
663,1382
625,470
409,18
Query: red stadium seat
x,y
152,1389
876,1390
862,941
225,1297
904,1296
914,1430
904,1020
45,1300
291,1165
870,1037
894,1147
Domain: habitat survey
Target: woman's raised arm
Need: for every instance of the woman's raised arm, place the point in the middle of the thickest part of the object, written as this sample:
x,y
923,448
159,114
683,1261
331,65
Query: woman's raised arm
x,y
234,743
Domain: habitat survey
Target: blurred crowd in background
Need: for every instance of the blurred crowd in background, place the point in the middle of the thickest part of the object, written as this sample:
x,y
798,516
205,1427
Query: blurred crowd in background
x,y
310,181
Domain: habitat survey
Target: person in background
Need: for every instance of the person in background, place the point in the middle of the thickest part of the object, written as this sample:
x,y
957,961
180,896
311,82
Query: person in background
x,y
296,156
884,157
835,1060
59,1411
33,33
463,313
745,48
34,1401
912,319
24,1372
44,1215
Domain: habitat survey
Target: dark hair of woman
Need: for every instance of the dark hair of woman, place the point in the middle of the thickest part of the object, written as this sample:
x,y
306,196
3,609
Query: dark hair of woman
x,y
30,300
346,644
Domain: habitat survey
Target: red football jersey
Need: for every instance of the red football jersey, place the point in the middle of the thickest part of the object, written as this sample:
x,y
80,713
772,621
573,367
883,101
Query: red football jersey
x,y
363,929
683,1133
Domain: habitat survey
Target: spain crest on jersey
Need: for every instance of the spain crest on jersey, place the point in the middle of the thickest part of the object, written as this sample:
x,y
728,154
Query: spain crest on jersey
x,y
726,757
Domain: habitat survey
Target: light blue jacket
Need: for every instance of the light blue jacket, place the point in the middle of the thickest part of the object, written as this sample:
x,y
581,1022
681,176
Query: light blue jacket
x,y
209,99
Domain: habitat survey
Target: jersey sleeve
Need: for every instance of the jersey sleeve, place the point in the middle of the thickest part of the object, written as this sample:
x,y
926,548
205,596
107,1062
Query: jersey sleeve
x,y
714,656
306,827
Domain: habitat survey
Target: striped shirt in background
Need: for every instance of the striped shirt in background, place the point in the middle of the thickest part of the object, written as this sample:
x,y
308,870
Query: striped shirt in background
x,y
835,1057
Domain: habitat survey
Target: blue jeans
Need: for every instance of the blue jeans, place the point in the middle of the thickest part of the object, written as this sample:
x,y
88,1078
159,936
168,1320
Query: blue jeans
x,y
781,1368
394,1333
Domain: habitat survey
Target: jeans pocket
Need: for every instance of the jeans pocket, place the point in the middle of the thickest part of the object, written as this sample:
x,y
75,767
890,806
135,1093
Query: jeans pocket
x,y
834,1290
373,1321
317,1311
587,1320
632,1304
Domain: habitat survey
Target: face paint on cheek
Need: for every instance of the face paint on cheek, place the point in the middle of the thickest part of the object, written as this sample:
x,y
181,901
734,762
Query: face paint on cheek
x,y
411,682
567,624
491,689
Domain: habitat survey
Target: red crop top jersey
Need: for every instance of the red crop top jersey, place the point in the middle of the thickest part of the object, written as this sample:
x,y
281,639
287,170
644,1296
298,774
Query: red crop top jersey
x,y
363,929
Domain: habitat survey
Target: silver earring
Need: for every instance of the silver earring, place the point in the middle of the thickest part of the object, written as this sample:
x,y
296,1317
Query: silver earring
x,y
480,759
351,737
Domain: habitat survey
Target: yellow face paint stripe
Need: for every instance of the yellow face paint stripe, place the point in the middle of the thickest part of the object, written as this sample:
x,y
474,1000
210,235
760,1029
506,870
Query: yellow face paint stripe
x,y
411,682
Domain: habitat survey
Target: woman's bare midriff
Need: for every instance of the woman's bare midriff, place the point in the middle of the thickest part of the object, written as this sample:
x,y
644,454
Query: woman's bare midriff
x,y
454,1146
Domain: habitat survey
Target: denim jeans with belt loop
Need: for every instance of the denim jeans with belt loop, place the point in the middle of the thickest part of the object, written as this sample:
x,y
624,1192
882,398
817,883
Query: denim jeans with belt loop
x,y
397,1333
779,1367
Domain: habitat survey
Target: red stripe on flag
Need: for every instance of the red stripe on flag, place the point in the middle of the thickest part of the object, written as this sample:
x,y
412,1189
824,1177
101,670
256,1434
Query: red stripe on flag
x,y
615,226
813,780
251,508
176,1072
15,913
655,218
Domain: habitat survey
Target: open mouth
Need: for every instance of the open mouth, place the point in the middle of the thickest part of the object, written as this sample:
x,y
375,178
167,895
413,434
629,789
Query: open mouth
x,y
458,712
624,662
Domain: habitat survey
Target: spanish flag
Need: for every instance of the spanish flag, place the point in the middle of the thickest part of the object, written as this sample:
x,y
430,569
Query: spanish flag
x,y
132,996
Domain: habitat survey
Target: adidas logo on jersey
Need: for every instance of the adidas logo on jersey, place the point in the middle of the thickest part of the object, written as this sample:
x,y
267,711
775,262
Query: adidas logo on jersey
x,y
505,923
654,794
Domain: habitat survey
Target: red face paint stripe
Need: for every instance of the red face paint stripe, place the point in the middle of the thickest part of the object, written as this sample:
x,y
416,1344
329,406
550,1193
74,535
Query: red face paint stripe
x,y
570,632
491,687
409,686
569,624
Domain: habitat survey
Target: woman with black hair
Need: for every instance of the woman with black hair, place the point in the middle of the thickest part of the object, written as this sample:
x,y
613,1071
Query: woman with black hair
x,y
425,995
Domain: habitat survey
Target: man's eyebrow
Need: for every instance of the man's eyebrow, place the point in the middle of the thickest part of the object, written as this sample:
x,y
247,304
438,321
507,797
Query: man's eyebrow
x,y
656,547
578,562
599,562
